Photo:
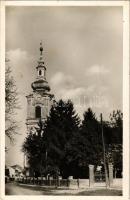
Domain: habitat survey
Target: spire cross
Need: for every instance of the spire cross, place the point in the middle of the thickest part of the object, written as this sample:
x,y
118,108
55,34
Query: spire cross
x,y
41,48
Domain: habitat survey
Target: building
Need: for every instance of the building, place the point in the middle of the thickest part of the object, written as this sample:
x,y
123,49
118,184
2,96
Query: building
x,y
10,172
40,100
18,171
13,172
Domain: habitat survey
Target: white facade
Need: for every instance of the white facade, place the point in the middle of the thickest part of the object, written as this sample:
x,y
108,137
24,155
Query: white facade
x,y
11,172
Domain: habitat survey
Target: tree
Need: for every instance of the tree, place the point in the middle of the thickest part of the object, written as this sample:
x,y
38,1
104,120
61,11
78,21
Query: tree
x,y
113,135
45,150
85,147
116,122
11,103
66,147
34,149
91,131
77,157
61,125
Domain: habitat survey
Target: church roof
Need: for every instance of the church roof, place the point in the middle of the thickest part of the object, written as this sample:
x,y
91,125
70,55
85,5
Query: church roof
x,y
41,85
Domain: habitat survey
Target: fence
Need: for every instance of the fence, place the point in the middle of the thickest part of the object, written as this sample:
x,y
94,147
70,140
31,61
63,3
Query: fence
x,y
69,183
40,181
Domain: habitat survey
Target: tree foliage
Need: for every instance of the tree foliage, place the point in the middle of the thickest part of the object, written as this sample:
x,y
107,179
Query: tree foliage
x,y
34,150
113,131
61,126
65,146
85,147
91,130
11,103
116,123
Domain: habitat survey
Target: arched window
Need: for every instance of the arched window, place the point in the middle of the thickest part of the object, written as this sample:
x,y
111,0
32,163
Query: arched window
x,y
38,112
40,72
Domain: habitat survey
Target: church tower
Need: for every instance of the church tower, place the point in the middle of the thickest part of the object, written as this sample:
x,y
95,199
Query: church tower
x,y
40,100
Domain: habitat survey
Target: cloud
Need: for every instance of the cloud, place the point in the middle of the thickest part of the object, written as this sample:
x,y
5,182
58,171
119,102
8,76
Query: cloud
x,y
21,63
64,87
96,70
18,55
61,80
73,93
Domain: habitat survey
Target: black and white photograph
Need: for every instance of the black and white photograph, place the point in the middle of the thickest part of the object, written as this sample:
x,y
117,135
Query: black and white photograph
x,y
64,116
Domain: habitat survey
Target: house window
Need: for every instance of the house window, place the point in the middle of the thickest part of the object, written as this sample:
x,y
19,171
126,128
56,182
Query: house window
x,y
40,72
38,112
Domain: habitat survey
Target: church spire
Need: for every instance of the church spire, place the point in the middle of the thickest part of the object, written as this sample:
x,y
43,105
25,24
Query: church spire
x,y
39,102
41,61
41,83
41,69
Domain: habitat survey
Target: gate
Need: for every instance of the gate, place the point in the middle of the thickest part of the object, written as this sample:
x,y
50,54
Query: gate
x,y
99,177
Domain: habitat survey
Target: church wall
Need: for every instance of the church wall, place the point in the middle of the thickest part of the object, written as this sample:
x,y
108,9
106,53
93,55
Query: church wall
x,y
45,104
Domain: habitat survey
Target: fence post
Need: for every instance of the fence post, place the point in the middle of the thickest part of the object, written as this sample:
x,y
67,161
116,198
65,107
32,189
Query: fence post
x,y
91,175
110,166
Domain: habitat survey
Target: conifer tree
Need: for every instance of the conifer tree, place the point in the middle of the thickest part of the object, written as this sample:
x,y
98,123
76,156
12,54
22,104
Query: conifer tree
x,y
91,131
86,147
61,125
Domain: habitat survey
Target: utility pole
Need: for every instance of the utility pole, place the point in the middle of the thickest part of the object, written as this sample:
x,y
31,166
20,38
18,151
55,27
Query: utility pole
x,y
104,156
46,162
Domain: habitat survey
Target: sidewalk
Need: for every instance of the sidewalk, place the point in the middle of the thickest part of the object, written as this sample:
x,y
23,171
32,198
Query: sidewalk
x,y
73,187
75,191
22,189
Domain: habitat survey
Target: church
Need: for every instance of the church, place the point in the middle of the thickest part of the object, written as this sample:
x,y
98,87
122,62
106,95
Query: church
x,y
40,100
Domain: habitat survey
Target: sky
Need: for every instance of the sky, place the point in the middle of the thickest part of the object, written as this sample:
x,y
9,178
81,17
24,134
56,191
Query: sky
x,y
82,52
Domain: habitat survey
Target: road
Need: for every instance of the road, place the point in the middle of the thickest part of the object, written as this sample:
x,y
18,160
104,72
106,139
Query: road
x,y
15,189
